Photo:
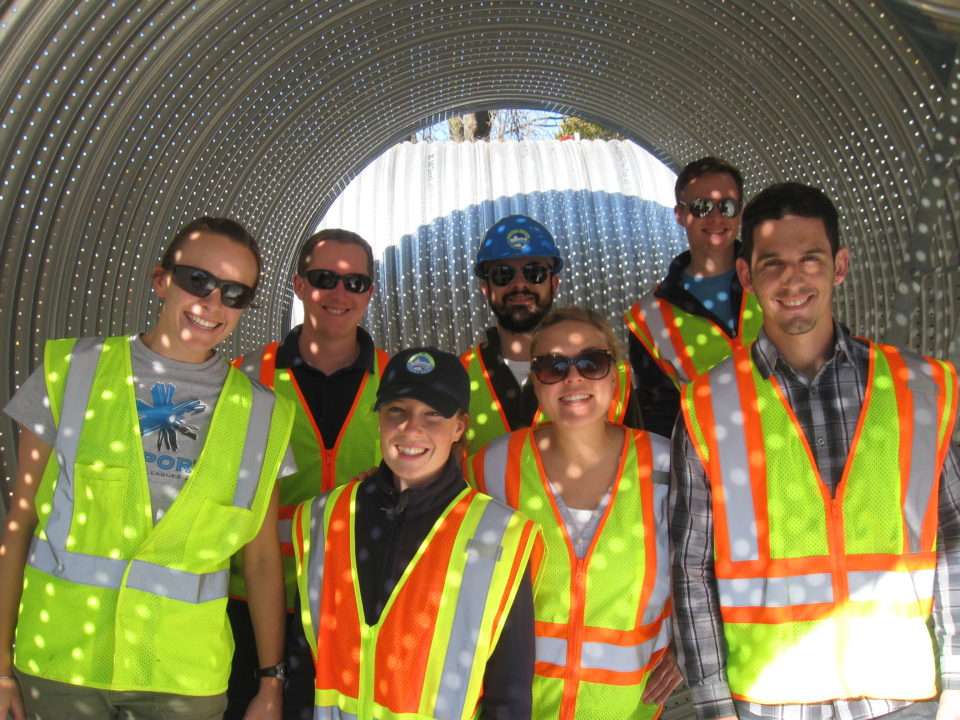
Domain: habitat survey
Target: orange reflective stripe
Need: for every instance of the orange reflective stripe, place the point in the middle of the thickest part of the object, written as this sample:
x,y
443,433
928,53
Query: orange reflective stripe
x,y
670,322
514,453
412,618
756,456
898,368
645,464
825,611
269,364
946,377
641,331
382,358
515,569
339,615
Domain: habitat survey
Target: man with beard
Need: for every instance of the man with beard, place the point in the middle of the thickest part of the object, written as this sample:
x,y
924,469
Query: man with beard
x,y
519,265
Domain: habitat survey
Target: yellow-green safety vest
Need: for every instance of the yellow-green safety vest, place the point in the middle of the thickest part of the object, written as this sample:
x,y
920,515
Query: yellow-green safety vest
x,y
319,468
603,619
825,597
111,600
686,345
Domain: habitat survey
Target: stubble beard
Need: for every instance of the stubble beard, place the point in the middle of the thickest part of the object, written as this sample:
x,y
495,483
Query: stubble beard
x,y
521,318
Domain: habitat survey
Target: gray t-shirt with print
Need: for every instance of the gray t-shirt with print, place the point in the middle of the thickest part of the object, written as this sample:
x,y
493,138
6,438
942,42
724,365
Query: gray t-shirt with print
x,y
175,402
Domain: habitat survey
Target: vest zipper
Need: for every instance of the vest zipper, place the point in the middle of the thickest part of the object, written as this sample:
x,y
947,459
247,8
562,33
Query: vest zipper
x,y
368,659
571,679
841,586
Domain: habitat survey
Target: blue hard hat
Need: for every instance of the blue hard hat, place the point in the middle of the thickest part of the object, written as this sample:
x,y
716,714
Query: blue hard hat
x,y
517,236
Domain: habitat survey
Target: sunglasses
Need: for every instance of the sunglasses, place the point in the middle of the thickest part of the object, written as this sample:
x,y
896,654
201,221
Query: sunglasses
x,y
701,207
327,280
201,283
591,364
502,275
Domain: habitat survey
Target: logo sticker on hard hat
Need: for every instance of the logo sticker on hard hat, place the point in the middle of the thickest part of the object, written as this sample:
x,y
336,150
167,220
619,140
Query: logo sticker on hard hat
x,y
518,239
421,363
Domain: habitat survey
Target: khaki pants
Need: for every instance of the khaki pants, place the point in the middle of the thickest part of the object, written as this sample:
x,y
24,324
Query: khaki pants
x,y
50,700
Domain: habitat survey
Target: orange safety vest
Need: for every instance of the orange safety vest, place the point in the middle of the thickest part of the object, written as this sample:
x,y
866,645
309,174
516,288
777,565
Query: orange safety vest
x,y
825,597
487,417
425,656
686,345
319,468
603,620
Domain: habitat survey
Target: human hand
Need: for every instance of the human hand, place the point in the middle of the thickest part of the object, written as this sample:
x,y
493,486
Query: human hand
x,y
10,700
663,679
267,704
365,475
949,705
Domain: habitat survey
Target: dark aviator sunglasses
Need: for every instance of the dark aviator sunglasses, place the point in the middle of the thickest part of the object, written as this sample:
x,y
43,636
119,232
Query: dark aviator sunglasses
x,y
502,275
200,283
701,207
591,364
327,280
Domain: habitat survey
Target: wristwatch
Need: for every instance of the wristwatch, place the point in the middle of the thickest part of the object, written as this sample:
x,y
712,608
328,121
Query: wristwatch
x,y
278,671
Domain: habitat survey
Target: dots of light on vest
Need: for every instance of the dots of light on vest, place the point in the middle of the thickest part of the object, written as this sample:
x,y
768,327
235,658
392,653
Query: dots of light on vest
x,y
741,547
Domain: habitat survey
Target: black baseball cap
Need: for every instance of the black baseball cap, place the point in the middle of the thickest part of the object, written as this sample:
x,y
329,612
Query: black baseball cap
x,y
427,374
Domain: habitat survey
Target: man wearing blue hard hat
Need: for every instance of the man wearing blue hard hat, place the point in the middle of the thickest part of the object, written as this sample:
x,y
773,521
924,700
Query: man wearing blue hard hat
x,y
518,264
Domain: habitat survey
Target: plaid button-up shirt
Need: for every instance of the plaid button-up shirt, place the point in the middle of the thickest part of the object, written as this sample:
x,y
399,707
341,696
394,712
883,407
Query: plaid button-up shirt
x,y
827,408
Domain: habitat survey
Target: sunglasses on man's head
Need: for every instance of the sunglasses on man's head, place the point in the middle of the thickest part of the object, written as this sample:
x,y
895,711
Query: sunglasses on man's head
x,y
591,364
327,280
701,207
502,275
200,283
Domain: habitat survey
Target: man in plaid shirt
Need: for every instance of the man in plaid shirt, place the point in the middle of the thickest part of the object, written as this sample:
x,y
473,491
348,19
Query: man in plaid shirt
x,y
815,509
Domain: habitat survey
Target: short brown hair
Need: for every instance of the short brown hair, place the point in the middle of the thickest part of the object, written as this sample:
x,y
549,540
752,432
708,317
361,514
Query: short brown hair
x,y
706,166
335,235
218,226
588,316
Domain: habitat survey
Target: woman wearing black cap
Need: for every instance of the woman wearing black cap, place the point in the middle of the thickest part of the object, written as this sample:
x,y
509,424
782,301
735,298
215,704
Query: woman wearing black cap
x,y
415,595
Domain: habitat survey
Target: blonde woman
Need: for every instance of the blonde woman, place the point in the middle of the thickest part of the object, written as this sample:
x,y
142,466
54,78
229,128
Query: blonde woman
x,y
599,492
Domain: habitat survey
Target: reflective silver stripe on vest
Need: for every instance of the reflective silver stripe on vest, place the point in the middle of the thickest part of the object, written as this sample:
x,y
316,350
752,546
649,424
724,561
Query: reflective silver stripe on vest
x,y
254,446
926,431
73,409
252,365
552,650
892,586
661,335
332,713
108,573
318,548
471,603
775,591
495,468
51,556
285,530
623,658
732,450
